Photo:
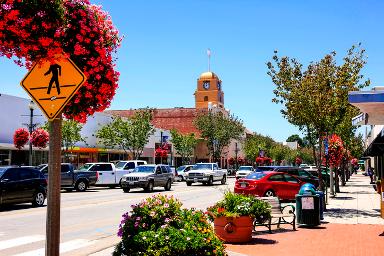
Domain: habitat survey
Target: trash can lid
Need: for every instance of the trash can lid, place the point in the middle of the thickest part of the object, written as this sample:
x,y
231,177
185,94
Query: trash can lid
x,y
307,191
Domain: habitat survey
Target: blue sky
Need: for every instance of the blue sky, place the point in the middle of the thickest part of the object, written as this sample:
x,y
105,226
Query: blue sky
x,y
164,50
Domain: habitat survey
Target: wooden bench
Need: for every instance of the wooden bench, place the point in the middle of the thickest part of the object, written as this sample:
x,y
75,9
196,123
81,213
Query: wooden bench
x,y
283,215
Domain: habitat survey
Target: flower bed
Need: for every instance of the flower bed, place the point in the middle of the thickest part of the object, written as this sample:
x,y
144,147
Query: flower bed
x,y
159,226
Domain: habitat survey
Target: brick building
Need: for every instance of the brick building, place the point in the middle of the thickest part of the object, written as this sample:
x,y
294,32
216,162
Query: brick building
x,y
208,93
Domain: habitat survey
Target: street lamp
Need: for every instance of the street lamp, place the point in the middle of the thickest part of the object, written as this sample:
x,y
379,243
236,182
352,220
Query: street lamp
x,y
32,107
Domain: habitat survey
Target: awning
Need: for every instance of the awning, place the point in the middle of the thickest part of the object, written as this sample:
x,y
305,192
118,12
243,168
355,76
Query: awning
x,y
376,148
370,103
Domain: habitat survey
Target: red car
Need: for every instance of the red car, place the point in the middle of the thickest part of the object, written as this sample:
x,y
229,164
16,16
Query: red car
x,y
282,185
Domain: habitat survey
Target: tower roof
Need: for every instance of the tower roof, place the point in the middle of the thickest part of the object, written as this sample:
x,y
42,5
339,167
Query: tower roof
x,y
208,75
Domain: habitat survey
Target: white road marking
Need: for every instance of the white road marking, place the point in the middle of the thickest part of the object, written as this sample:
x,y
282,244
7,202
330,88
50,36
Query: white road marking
x,y
64,247
20,241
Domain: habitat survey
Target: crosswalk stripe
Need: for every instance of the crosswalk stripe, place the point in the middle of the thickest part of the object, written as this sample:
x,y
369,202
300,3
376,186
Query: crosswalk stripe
x,y
64,247
20,241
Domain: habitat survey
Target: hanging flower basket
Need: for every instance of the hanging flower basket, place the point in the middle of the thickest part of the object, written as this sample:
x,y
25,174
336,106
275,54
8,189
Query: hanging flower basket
x,y
39,138
20,138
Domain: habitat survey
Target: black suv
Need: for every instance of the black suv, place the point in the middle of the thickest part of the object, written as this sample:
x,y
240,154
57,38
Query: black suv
x,y
22,185
296,171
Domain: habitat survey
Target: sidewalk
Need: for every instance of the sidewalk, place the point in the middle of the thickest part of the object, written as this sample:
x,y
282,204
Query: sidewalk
x,y
351,227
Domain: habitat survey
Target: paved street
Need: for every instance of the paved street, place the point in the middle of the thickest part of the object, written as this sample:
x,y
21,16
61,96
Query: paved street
x,y
89,220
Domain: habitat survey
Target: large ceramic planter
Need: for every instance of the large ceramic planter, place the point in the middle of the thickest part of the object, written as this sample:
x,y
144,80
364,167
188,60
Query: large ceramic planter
x,y
234,230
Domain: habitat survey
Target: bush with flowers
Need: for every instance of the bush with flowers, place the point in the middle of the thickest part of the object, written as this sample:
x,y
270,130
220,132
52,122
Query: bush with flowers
x,y
159,226
237,205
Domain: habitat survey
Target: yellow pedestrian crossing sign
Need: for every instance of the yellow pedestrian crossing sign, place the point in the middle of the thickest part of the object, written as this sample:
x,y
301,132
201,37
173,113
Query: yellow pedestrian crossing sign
x,y
52,85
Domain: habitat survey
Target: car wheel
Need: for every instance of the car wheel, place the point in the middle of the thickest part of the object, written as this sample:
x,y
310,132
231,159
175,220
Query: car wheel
x,y
167,186
38,199
149,187
181,178
224,180
269,193
126,190
210,181
81,186
189,183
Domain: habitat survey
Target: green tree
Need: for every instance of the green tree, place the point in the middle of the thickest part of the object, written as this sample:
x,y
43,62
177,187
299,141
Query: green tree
x,y
256,142
295,137
71,134
218,129
129,134
315,99
184,144
279,153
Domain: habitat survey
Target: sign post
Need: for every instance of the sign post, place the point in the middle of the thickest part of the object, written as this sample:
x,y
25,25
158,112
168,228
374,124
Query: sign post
x,y
51,86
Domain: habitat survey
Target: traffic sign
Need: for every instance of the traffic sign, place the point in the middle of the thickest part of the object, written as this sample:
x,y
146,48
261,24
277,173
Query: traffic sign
x,y
52,85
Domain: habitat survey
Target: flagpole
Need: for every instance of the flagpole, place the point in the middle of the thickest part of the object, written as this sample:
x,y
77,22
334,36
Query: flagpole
x,y
209,59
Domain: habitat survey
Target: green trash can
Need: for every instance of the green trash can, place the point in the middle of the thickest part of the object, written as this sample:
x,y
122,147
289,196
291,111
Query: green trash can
x,y
308,210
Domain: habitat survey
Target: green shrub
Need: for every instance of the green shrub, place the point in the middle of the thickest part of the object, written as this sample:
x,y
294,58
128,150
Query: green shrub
x,y
236,205
158,226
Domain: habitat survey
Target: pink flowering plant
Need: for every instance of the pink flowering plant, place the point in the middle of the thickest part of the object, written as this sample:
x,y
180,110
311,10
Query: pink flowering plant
x,y
159,226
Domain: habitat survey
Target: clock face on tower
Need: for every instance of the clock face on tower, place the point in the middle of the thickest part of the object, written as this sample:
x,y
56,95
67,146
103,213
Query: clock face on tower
x,y
218,85
206,85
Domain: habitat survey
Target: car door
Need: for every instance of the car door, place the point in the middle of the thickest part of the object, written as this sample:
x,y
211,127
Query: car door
x,y
27,184
158,181
166,173
109,175
292,186
66,175
277,184
216,172
10,186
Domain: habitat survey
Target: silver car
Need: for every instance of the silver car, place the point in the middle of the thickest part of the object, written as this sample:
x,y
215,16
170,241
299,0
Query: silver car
x,y
147,177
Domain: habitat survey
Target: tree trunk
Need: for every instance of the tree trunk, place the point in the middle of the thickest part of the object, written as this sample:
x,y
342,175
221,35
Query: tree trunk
x,y
337,185
318,161
343,170
332,181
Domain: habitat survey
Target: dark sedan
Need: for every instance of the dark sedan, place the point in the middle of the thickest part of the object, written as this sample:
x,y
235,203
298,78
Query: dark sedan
x,y
22,185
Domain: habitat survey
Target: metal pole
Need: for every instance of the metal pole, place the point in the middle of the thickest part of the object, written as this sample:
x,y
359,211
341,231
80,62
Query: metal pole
x,y
161,146
30,132
53,198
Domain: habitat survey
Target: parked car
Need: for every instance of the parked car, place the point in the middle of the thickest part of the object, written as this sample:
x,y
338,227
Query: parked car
x,y
147,177
182,170
74,179
269,183
110,176
324,173
22,185
244,171
206,173
300,173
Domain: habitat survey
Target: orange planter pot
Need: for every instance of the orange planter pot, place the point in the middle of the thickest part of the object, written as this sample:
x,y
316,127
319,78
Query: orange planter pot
x,y
378,187
234,230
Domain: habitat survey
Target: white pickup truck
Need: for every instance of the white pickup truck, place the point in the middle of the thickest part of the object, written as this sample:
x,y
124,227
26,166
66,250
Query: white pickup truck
x,y
110,175
206,173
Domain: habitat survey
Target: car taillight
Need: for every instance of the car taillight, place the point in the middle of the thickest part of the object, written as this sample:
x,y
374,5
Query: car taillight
x,y
97,176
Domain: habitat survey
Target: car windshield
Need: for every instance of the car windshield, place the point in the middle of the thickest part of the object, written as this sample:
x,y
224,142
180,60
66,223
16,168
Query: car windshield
x,y
256,175
201,166
245,168
181,168
85,167
144,168
2,171
120,165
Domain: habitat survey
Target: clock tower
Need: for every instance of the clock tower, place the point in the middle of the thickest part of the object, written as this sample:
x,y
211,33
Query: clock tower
x,y
209,90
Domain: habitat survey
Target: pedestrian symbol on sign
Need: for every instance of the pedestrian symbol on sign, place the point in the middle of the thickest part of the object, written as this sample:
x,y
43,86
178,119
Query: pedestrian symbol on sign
x,y
55,69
